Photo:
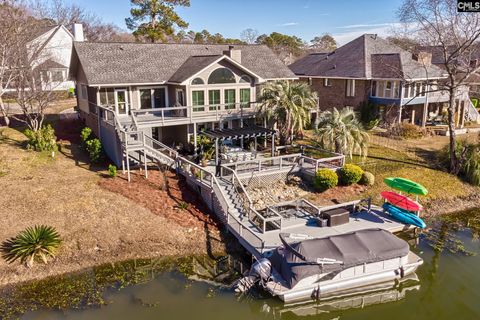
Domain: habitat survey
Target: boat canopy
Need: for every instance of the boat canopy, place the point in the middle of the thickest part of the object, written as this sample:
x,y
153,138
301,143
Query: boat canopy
x,y
299,260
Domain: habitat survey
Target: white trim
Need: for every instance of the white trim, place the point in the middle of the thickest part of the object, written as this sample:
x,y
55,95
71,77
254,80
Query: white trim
x,y
127,101
389,79
223,57
128,84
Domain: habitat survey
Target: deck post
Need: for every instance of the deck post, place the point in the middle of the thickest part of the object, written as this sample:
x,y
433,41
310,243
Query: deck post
x,y
273,145
128,164
216,151
195,137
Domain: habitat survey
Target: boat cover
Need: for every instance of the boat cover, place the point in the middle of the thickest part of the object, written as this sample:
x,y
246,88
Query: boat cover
x,y
356,248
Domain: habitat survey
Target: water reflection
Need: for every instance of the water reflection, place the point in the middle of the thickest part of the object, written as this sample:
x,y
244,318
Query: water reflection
x,y
332,308
169,289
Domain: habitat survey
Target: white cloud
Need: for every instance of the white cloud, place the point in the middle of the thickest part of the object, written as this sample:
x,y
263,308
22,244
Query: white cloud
x,y
373,25
288,24
381,29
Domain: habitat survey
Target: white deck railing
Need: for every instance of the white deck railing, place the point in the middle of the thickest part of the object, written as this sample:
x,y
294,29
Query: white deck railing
x,y
171,114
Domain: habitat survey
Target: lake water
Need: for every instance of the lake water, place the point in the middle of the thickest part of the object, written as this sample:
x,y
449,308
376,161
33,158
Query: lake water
x,y
449,288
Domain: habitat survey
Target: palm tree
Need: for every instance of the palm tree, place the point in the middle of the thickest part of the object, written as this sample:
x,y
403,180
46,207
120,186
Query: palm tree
x,y
341,131
32,244
288,104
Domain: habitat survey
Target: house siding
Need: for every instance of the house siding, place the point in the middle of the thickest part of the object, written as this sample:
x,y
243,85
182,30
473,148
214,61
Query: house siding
x,y
335,95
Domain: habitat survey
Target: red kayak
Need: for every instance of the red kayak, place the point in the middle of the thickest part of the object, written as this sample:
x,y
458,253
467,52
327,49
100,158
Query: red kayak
x,y
401,201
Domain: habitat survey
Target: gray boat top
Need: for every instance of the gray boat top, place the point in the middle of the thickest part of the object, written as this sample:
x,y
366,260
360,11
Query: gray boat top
x,y
302,225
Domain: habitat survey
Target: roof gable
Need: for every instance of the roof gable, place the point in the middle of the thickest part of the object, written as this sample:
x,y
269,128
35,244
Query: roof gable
x,y
366,57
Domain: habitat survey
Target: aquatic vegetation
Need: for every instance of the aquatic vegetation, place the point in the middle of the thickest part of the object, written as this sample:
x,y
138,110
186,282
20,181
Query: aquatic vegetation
x,y
88,288
443,234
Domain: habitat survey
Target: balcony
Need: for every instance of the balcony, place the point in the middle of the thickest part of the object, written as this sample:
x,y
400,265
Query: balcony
x,y
191,114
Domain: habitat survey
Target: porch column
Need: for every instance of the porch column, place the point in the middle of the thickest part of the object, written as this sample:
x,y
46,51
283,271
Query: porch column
x,y
425,111
412,121
400,113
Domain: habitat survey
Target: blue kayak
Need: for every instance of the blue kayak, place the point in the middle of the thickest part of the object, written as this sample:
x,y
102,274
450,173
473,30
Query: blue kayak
x,y
403,215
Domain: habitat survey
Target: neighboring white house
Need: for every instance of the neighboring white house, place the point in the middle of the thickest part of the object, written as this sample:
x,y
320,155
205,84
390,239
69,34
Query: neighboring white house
x,y
53,46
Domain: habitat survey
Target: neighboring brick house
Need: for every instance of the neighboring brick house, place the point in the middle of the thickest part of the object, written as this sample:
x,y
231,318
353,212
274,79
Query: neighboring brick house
x,y
371,69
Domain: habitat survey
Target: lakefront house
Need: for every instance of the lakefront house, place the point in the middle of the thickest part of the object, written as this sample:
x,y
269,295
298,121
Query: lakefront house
x,y
370,69
170,92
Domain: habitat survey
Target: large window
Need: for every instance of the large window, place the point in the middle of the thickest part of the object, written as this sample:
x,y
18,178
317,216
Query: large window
x,y
245,98
58,75
374,89
213,100
198,100
245,79
197,81
221,75
229,95
153,98
350,88
107,97
388,89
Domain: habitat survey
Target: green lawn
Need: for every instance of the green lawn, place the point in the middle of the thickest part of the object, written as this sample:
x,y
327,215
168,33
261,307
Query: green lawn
x,y
385,162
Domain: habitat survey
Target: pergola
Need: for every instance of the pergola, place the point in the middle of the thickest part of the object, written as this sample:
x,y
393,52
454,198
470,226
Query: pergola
x,y
239,134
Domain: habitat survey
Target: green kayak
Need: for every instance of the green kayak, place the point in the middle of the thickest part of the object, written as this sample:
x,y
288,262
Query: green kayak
x,y
406,185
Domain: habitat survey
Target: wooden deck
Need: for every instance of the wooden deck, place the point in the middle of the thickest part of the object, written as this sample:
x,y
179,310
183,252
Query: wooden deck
x,y
305,225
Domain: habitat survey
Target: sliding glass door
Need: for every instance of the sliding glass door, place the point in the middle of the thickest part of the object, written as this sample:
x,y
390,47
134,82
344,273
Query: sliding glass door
x,y
153,98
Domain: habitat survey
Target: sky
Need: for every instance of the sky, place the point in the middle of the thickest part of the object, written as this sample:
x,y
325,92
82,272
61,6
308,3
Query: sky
x,y
343,19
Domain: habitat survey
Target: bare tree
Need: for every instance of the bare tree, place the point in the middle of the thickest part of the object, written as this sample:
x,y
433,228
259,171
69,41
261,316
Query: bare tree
x,y
438,25
59,12
249,35
22,56
13,21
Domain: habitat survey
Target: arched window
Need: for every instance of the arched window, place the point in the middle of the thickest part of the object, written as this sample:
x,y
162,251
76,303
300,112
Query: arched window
x,y
197,81
245,79
221,75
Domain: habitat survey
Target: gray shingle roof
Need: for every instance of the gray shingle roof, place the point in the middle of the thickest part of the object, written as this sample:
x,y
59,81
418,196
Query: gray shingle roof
x,y
193,65
354,60
130,63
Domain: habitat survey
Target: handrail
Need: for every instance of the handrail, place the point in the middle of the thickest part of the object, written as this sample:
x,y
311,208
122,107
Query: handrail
x,y
235,176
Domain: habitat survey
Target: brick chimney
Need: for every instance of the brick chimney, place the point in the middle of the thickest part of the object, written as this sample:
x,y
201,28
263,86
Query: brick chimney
x,y
424,58
234,54
78,32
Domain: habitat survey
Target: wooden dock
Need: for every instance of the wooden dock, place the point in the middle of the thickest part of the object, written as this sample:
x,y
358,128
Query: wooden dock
x,y
306,225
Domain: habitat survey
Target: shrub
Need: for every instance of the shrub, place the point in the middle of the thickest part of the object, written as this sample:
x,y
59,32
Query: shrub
x,y
350,174
182,205
470,167
407,131
368,179
85,135
32,244
369,115
42,140
112,171
325,179
94,149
